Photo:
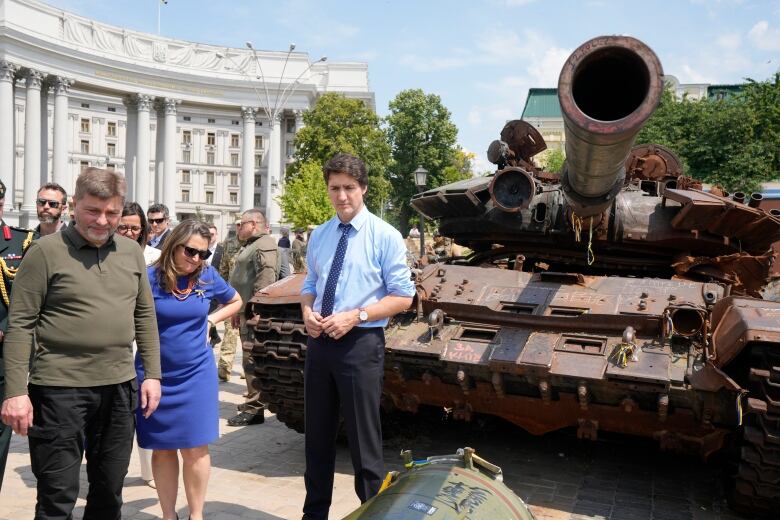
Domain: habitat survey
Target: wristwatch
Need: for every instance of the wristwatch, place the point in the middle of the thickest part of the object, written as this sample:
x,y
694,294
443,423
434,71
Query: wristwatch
x,y
363,315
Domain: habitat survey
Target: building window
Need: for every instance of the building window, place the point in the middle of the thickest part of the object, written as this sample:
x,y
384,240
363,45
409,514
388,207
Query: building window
x,y
211,139
84,165
291,126
258,181
185,195
258,142
290,149
212,121
233,197
185,177
85,105
111,129
258,123
187,118
85,126
84,146
209,197
110,166
112,109
111,149
210,158
209,177
258,201
186,156
235,122
208,218
258,160
186,137
233,159
233,179
234,140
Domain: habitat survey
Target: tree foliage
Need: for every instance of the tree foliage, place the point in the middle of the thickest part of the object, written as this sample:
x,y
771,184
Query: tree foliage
x,y
552,159
731,142
305,200
337,124
421,134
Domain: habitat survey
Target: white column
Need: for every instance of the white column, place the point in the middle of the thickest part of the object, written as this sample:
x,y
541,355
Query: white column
x,y
7,111
298,120
32,144
159,153
60,170
248,160
44,171
131,138
273,213
170,185
142,177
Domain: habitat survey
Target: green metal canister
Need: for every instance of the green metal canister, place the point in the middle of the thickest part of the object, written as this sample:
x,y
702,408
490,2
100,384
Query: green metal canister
x,y
462,486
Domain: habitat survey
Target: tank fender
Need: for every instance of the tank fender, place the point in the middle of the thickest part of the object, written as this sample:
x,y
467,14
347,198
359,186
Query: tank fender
x,y
738,321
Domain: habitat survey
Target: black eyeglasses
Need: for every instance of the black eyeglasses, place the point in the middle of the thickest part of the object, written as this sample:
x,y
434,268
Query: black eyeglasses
x,y
122,228
53,204
192,252
157,220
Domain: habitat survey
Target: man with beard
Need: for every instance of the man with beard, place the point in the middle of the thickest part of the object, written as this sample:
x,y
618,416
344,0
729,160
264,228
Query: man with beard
x,y
80,298
13,245
50,203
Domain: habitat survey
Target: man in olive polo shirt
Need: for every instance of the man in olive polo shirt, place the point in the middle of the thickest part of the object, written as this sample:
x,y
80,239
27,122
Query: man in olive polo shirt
x,y
84,296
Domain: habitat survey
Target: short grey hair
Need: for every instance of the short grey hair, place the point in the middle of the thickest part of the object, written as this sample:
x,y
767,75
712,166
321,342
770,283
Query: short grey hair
x,y
100,183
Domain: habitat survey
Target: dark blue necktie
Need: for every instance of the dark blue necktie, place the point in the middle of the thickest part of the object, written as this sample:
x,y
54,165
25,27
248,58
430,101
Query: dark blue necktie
x,y
329,296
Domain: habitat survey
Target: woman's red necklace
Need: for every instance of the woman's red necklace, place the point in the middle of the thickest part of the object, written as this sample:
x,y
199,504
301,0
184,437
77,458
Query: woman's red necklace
x,y
183,294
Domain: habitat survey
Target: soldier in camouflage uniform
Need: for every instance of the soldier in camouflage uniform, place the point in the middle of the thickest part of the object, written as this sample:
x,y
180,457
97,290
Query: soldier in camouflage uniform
x,y
227,349
13,244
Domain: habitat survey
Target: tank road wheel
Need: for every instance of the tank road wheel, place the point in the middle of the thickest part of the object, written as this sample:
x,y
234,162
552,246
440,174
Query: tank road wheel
x,y
279,352
757,482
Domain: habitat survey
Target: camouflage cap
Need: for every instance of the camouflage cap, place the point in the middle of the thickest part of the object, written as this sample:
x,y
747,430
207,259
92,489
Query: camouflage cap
x,y
2,190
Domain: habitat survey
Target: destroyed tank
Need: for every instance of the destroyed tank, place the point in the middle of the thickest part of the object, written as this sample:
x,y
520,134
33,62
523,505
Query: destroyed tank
x,y
616,296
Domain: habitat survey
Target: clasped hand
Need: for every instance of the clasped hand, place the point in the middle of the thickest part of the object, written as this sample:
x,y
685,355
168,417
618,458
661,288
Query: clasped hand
x,y
334,326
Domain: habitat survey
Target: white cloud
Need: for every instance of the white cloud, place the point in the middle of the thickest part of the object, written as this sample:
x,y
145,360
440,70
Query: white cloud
x,y
729,41
688,74
429,63
764,37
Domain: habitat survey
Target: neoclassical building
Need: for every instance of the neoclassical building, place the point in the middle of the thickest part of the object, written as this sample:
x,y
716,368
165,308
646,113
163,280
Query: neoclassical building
x,y
205,130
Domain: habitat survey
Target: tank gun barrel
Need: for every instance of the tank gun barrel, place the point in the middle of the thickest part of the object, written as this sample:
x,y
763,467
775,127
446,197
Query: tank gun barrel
x,y
607,89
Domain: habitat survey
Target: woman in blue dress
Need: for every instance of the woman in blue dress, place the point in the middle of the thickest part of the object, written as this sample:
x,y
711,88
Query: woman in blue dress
x,y
187,419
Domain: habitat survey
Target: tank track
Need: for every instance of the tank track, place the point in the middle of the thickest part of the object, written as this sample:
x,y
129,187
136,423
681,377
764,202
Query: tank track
x,y
757,482
279,352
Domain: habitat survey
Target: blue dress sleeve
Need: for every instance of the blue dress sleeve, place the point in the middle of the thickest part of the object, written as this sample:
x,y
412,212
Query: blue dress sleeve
x,y
220,290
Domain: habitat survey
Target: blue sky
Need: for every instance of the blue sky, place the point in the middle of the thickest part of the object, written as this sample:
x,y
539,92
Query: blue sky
x,y
480,56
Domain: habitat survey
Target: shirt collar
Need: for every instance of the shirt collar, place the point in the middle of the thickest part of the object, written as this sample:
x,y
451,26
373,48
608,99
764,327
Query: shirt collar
x,y
358,220
79,241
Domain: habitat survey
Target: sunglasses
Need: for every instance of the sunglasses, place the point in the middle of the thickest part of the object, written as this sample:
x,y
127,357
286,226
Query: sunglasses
x,y
192,252
157,220
53,204
122,228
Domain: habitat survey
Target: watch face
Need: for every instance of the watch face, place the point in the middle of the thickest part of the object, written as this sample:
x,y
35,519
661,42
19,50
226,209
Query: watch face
x,y
363,316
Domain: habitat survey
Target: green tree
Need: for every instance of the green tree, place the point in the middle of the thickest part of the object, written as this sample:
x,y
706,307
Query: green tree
x,y
305,200
421,134
461,167
731,142
552,159
337,124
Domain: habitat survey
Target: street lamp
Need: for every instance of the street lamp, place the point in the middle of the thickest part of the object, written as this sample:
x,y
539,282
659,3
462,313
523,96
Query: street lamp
x,y
421,181
273,111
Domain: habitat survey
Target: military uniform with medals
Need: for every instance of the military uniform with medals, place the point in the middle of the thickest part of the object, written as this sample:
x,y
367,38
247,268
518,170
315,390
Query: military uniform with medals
x,y
13,244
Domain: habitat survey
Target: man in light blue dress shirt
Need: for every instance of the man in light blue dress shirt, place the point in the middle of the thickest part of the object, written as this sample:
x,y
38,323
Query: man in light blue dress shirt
x,y
357,279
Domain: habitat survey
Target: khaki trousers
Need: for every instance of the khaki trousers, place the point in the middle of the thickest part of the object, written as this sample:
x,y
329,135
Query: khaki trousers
x,y
253,404
227,349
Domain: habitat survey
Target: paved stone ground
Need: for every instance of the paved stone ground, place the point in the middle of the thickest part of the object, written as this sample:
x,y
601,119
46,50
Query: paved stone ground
x,y
257,473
